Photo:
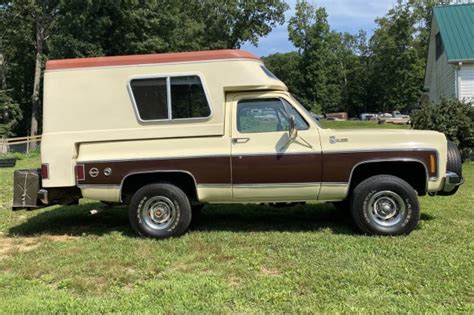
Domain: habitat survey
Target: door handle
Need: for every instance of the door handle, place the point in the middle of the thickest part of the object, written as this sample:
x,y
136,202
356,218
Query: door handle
x,y
240,140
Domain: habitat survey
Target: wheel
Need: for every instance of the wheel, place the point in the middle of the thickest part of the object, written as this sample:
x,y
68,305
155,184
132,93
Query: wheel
x,y
385,205
160,211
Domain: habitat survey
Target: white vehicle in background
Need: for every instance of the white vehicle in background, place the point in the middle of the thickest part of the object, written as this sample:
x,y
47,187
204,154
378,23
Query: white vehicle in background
x,y
368,116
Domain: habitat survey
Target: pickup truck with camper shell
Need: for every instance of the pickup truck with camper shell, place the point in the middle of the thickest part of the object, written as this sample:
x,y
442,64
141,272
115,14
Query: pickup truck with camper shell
x,y
167,133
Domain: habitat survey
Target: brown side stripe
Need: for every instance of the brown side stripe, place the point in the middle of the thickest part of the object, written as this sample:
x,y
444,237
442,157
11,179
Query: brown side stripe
x,y
265,169
257,169
338,166
206,170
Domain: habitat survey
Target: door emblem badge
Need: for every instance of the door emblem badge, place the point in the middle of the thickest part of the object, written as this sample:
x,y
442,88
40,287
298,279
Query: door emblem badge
x,y
334,140
93,172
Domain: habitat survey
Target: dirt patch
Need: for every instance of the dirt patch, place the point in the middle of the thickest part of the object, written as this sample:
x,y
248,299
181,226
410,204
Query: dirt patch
x,y
12,245
270,271
234,281
181,267
58,238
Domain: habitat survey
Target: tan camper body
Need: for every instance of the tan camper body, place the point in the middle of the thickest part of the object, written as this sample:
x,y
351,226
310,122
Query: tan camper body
x,y
217,125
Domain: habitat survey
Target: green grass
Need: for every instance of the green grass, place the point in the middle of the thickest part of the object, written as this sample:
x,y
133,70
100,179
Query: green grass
x,y
238,259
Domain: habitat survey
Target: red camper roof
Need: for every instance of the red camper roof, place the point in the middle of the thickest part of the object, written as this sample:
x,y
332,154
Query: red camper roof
x,y
149,59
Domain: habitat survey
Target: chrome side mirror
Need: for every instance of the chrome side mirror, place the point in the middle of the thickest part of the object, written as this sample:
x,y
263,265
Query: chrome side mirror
x,y
292,130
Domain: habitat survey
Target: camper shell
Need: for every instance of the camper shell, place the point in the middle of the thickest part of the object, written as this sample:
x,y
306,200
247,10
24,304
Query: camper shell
x,y
185,129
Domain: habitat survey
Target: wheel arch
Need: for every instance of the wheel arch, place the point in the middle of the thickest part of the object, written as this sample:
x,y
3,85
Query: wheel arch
x,y
409,170
181,178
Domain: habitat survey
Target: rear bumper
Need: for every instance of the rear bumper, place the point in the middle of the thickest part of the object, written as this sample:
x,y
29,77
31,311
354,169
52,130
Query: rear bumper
x,y
43,196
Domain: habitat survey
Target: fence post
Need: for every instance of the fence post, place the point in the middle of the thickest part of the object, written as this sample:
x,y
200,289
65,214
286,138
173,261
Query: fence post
x,y
4,147
27,144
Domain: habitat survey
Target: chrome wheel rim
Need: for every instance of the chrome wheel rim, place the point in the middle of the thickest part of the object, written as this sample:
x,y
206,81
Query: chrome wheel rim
x,y
158,212
386,208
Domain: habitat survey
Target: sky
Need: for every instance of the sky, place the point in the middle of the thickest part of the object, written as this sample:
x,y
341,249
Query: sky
x,y
343,16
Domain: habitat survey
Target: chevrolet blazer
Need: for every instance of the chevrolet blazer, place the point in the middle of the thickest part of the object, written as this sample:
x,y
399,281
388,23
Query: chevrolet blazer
x,y
167,133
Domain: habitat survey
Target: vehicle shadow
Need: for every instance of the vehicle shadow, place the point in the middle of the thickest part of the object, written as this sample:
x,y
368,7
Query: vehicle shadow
x,y
76,220
262,218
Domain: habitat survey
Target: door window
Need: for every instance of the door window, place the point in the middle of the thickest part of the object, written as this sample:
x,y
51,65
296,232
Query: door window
x,y
266,115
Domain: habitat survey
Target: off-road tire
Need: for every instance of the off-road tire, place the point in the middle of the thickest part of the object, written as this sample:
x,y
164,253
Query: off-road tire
x,y
370,197
143,218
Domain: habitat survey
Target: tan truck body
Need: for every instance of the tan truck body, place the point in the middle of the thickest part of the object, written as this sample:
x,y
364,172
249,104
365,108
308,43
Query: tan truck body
x,y
113,130
89,118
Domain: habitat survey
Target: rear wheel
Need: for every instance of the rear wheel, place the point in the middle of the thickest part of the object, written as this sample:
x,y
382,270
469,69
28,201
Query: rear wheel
x,y
160,211
385,205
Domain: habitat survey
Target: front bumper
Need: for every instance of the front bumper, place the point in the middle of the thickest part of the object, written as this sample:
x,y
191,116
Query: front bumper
x,y
451,183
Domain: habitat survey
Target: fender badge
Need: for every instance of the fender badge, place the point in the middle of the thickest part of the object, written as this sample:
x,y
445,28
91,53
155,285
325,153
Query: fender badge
x,y
334,140
93,172
107,171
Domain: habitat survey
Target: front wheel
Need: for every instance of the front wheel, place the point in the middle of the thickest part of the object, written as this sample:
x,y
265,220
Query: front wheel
x,y
385,205
160,211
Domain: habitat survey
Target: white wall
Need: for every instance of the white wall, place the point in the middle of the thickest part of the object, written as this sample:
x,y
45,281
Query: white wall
x,y
466,82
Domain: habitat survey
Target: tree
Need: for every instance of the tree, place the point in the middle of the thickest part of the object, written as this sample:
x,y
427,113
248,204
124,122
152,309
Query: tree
x,y
36,30
353,58
10,112
396,68
423,13
331,65
309,31
28,24
286,68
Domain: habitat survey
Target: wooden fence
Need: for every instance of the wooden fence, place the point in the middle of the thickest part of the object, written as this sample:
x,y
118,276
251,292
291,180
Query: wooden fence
x,y
7,143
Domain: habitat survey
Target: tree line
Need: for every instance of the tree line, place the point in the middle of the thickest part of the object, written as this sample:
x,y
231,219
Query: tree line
x,y
330,71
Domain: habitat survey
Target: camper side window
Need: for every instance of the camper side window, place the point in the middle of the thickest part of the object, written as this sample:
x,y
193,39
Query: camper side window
x,y
150,98
188,99
167,98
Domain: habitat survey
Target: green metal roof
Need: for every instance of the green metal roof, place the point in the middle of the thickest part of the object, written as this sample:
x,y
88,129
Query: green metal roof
x,y
456,25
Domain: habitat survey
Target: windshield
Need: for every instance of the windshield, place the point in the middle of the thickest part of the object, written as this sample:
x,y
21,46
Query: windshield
x,y
313,116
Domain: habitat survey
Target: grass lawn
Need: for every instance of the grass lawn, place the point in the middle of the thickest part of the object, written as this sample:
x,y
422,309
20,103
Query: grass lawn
x,y
238,259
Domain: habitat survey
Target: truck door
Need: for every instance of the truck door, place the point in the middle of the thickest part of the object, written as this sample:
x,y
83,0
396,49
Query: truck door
x,y
267,163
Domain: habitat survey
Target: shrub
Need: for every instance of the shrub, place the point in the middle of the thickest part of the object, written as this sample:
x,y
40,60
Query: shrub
x,y
10,113
450,116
